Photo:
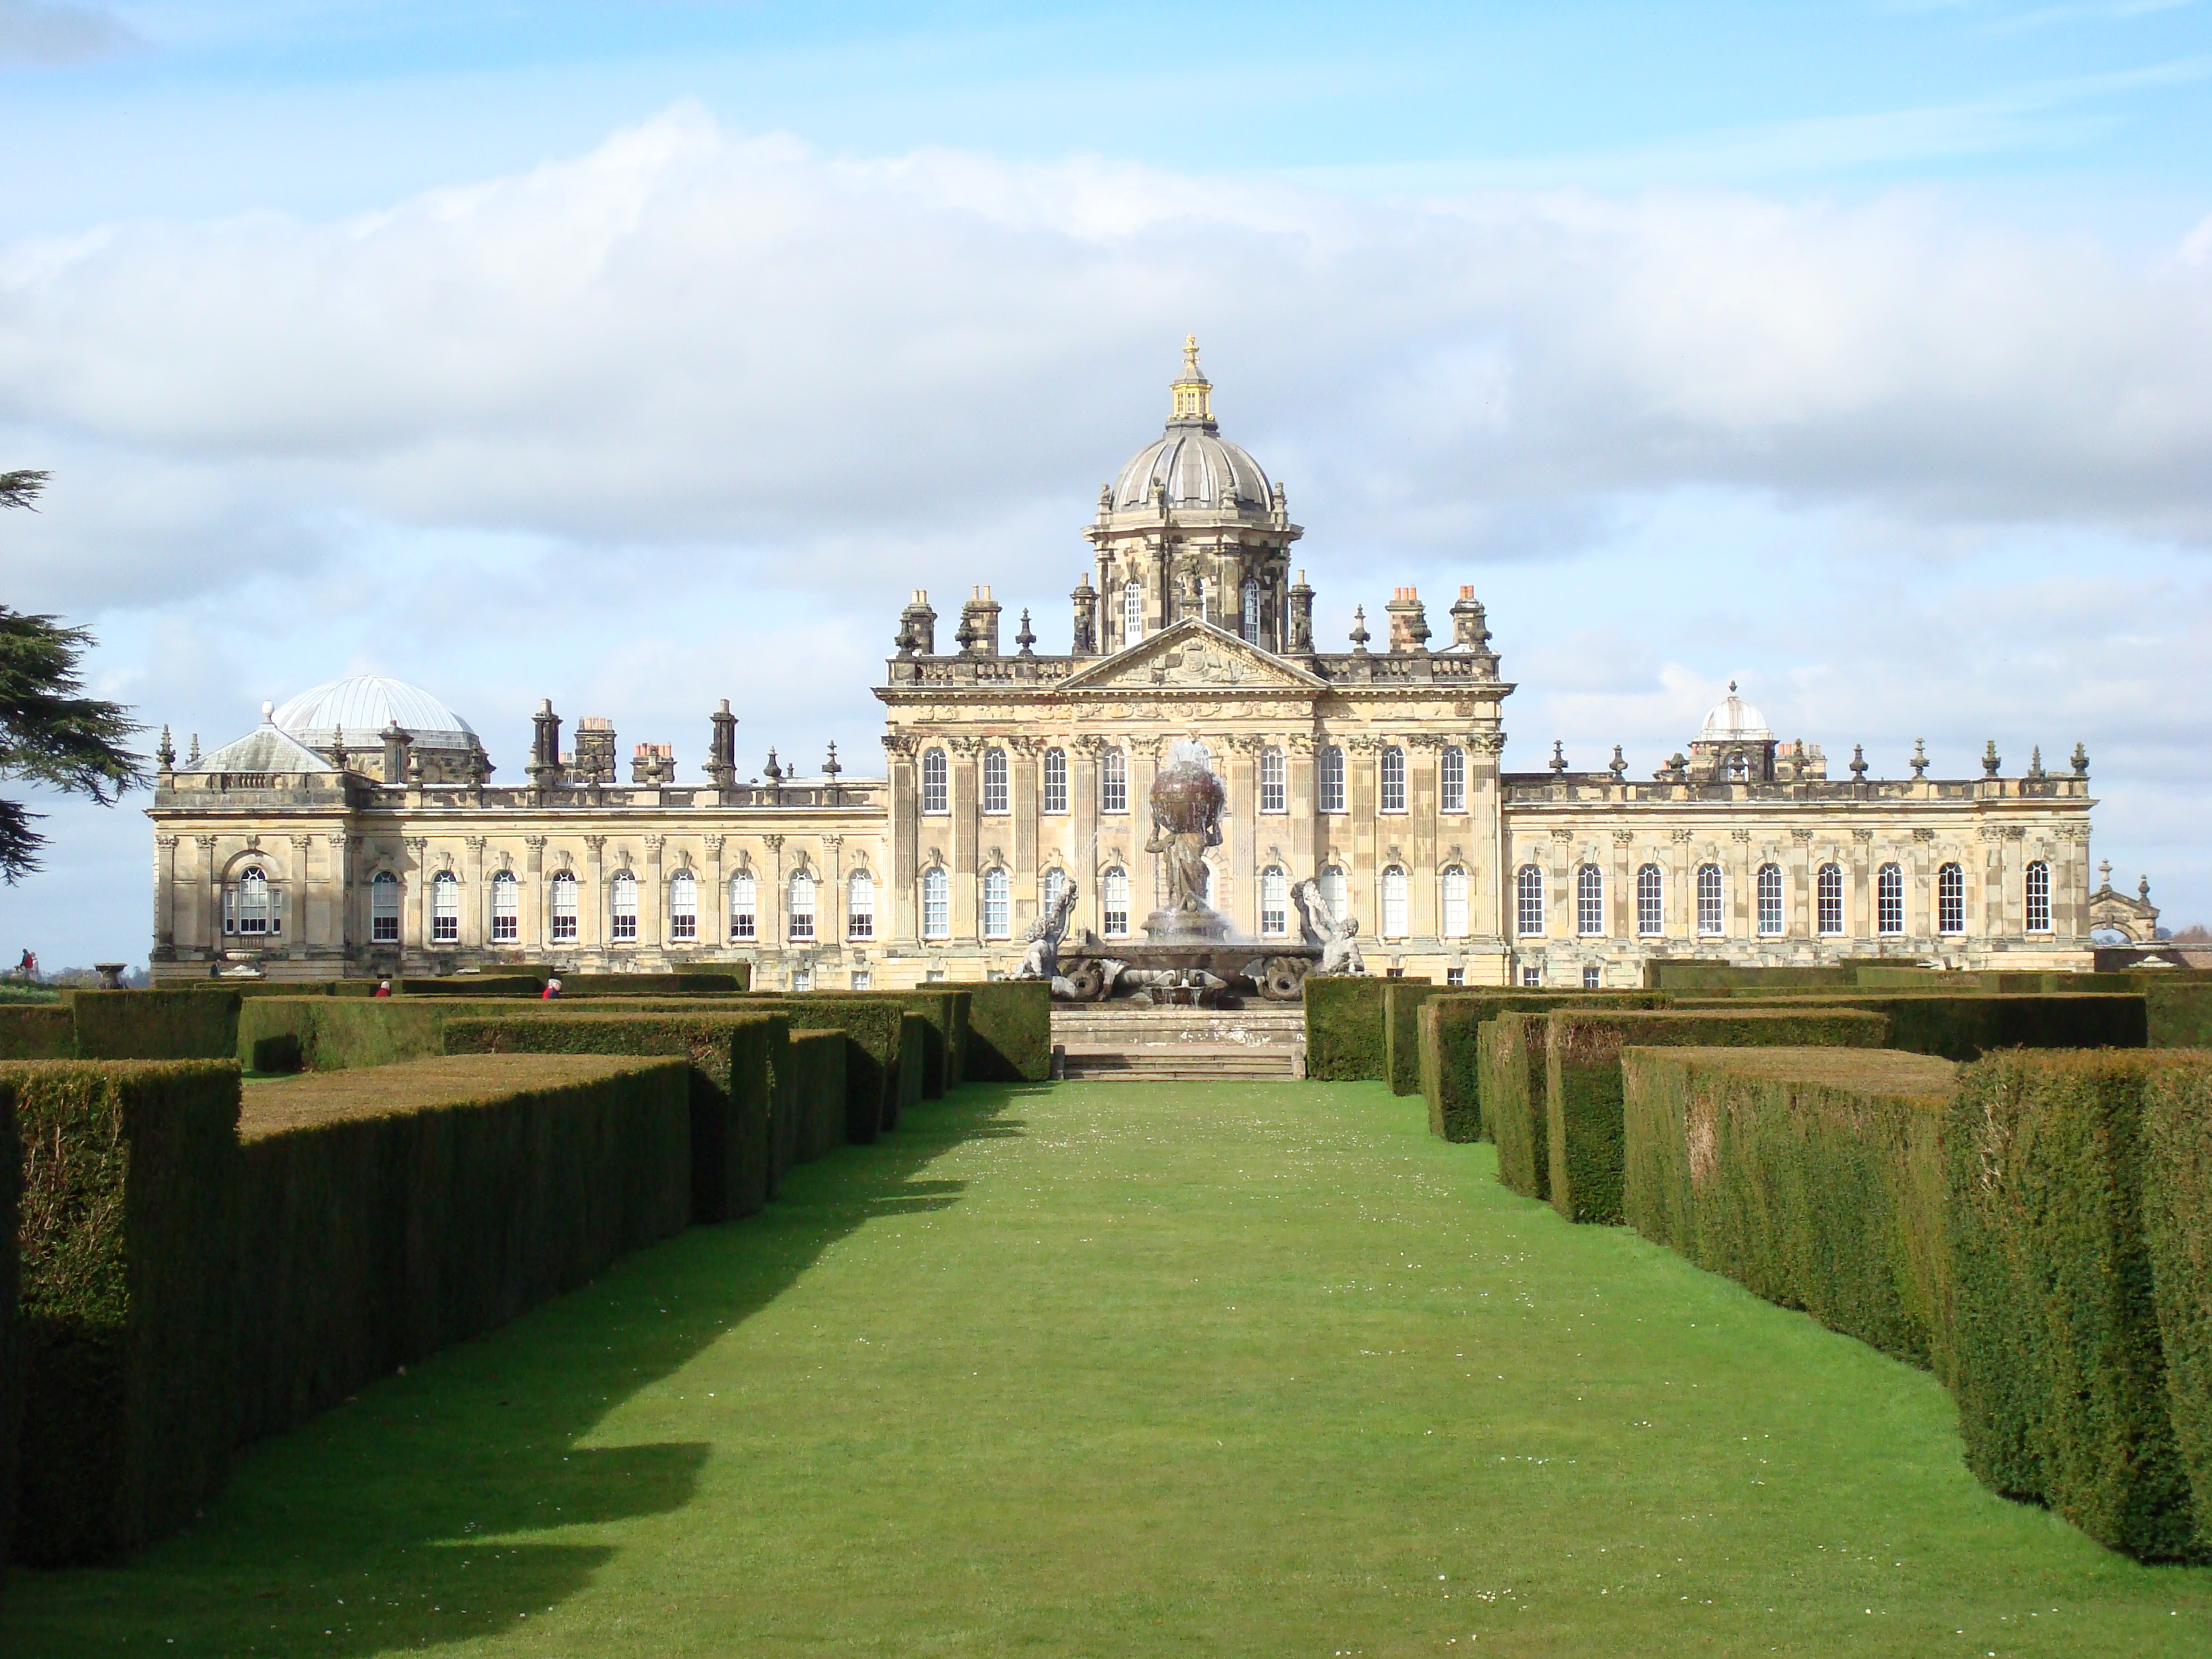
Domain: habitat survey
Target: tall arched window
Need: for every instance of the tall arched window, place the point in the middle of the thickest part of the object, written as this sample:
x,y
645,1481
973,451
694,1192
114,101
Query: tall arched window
x,y
860,905
622,907
1055,781
1394,780
1330,786
1114,902
1529,901
1050,886
936,796
1132,614
1274,794
1113,782
744,907
1252,611
1333,891
1451,780
1590,901
248,907
384,908
1455,902
936,902
1395,924
1770,901
994,779
998,903
1711,921
564,908
798,907
506,909
1650,901
684,907
1828,899
1274,903
444,908
1889,899
2039,897
1951,900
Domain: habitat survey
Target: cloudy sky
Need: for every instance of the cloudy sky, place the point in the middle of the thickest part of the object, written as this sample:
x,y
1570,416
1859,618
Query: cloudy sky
x,y
639,355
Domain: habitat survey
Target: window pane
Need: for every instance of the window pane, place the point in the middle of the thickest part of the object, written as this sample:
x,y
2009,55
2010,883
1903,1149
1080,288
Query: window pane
x,y
1592,978
1394,780
936,903
1275,902
682,906
621,906
2039,897
744,907
1113,783
1770,900
1332,779
1332,892
252,902
860,906
1055,780
1529,901
1252,611
1394,922
1951,900
1273,796
934,797
1113,901
1451,780
1589,900
799,908
1650,901
506,907
444,908
994,779
1830,895
1132,614
1454,896
1889,900
564,907
997,904
1710,917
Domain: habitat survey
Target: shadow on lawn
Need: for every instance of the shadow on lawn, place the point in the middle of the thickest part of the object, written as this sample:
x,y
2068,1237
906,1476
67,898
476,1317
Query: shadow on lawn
x,y
372,1528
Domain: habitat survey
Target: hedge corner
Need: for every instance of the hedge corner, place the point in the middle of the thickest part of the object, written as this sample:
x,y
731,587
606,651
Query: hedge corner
x,y
1344,1019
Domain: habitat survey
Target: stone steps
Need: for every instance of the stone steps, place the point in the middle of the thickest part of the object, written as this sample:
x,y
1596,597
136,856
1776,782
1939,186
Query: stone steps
x,y
1161,1045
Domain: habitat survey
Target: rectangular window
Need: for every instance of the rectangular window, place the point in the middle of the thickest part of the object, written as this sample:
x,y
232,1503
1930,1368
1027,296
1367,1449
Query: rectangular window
x,y
744,914
1592,978
1395,924
1889,900
1451,780
1951,900
1455,976
1113,901
933,977
800,907
622,907
1331,786
860,908
1532,976
802,978
1708,901
564,910
2039,897
1770,901
936,903
863,980
997,904
1394,780
1274,796
936,796
1650,901
444,911
1590,901
994,779
1828,897
1275,902
384,912
1055,781
1394,973
1529,901
1455,906
1113,782
684,909
506,909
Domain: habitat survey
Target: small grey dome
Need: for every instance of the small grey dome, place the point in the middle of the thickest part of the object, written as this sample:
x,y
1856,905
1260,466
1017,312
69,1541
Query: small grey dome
x,y
362,705
1734,721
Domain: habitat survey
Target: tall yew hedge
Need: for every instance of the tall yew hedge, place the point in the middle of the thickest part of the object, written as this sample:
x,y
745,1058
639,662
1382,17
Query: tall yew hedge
x,y
2177,1225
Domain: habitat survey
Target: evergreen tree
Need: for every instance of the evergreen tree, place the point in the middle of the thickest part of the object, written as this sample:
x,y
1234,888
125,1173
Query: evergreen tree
x,y
50,732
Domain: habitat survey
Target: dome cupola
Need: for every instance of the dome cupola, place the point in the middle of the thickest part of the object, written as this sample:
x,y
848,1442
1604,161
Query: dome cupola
x,y
1191,467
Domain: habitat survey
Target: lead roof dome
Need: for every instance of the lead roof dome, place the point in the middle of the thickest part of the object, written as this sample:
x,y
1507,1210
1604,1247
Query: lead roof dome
x,y
362,705
1198,468
1734,721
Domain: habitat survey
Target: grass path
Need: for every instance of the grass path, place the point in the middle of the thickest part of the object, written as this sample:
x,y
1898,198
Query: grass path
x,y
1103,1369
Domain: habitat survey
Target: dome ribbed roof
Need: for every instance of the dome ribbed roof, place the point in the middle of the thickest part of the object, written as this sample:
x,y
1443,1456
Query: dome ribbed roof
x,y
1199,468
1733,720
362,705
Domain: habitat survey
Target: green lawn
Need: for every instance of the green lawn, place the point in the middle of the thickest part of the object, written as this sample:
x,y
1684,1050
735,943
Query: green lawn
x,y
1110,1369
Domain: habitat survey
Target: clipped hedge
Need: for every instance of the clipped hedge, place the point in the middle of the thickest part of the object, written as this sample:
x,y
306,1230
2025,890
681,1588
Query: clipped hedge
x,y
1510,1065
1812,1176
1451,1066
2178,1226
1583,1088
390,1213
814,1067
129,1175
190,1025
1009,1031
1704,974
11,1416
2178,1013
37,1031
1344,1024
1964,1027
2060,1373
883,1064
733,1059
945,1009
1401,1032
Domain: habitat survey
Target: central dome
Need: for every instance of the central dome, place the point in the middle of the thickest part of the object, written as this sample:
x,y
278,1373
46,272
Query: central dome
x,y
362,705
1192,462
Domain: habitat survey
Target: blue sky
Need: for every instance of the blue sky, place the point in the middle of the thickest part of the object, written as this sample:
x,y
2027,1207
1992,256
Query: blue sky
x,y
639,355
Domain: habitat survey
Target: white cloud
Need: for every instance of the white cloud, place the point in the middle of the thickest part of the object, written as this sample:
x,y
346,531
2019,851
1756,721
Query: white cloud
x,y
39,32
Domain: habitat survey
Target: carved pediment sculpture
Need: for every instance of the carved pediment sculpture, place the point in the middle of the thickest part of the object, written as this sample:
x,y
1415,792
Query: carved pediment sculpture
x,y
1192,654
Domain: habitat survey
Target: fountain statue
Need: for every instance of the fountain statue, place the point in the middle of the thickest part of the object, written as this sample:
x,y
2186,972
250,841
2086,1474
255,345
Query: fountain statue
x,y
1186,801
1042,959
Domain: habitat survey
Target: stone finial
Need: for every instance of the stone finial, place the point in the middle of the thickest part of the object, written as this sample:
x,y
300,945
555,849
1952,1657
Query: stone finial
x,y
1859,763
2035,761
193,759
2105,875
1359,633
1617,766
1920,757
830,767
1024,638
2142,889
1989,761
1560,757
339,757
2080,762
773,772
267,713
166,754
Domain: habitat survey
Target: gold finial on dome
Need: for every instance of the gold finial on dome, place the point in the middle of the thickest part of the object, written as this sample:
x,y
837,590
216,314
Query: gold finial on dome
x,y
1193,392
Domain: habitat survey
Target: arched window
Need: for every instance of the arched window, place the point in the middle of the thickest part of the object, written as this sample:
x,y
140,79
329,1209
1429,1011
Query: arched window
x,y
936,902
1055,781
1331,779
1455,902
684,907
994,779
1114,902
1050,886
1770,901
1333,891
1113,782
1828,898
506,909
1590,901
564,908
444,908
249,907
1951,900
2039,897
998,903
1275,794
1394,780
1650,901
1889,899
936,797
1451,780
1252,610
1132,614
1529,901
860,905
1394,922
384,908
744,907
622,907
1711,922
798,907
1274,903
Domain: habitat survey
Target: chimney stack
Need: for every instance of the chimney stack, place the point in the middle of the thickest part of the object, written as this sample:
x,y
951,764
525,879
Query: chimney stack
x,y
979,625
918,627
1409,622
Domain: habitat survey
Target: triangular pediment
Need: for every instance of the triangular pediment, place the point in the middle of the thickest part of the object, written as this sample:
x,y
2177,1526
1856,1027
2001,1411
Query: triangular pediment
x,y
1194,655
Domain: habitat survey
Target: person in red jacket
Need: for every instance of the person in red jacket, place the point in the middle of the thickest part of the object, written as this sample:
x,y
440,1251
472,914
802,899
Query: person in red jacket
x,y
551,992
383,987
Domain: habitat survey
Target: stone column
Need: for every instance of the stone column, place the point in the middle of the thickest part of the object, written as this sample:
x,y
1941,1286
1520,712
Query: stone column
x,y
1087,861
1682,890
1742,922
533,928
591,905
966,851
772,924
1620,920
1299,785
415,901
653,903
1920,914
207,904
165,892
903,802
1241,844
1799,919
714,900
1146,892
1489,894
1862,919
1424,900
830,929
299,928
476,928
1023,801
